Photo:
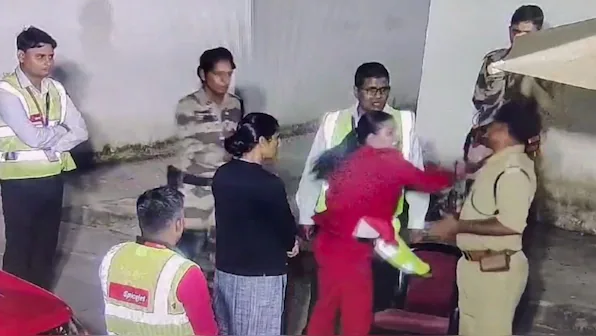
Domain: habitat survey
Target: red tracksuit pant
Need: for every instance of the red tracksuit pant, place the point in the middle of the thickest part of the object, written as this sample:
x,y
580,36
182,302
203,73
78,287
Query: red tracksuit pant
x,y
347,289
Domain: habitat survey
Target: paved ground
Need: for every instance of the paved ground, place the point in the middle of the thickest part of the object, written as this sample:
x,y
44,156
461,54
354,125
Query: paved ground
x,y
100,213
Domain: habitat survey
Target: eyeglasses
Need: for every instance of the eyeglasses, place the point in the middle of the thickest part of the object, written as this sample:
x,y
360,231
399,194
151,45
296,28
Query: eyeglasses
x,y
373,91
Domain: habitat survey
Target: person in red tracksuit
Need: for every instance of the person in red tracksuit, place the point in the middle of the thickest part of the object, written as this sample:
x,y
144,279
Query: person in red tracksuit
x,y
366,175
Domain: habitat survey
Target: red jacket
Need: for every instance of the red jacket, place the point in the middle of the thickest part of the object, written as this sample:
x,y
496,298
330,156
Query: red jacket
x,y
368,184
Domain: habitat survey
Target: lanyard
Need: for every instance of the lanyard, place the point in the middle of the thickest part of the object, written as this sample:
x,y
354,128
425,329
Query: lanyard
x,y
45,115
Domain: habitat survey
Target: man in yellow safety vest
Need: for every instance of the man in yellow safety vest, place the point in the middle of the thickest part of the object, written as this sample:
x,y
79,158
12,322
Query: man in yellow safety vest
x,y
39,125
148,288
371,89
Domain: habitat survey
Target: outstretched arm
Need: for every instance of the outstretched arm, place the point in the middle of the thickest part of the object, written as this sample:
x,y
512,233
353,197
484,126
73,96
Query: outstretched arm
x,y
418,202
410,176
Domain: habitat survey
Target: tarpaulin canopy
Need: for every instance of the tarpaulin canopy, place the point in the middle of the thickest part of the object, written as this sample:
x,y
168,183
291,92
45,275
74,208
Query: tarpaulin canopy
x,y
564,54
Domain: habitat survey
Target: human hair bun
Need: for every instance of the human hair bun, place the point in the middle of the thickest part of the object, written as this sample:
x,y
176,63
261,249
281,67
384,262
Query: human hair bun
x,y
241,142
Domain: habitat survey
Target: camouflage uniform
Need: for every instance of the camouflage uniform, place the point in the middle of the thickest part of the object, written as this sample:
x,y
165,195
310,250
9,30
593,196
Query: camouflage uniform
x,y
491,88
494,88
202,127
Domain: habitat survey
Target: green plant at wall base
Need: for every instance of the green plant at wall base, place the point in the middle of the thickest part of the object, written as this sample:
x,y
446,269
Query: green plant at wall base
x,y
167,148
136,152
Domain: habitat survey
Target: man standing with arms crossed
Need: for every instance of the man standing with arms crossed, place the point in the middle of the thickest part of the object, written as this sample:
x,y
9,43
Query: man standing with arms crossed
x,y
39,125
371,89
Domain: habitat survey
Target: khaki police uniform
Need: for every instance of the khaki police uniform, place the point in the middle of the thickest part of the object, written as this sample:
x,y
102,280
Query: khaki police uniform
x,y
504,188
202,126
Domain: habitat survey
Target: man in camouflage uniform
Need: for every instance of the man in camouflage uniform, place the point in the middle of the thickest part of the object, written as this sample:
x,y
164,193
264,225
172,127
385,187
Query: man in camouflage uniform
x,y
494,87
205,118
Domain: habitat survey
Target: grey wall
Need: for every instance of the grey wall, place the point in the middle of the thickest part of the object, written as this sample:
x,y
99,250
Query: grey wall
x,y
304,53
126,63
455,45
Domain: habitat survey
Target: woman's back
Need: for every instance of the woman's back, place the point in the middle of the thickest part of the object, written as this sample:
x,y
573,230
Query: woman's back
x,y
255,227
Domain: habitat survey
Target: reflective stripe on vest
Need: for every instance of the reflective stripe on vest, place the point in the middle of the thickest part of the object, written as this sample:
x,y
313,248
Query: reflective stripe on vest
x,y
158,311
401,257
404,118
328,129
25,155
20,161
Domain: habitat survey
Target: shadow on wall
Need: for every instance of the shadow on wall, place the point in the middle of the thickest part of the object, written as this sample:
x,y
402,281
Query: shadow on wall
x,y
253,98
95,35
95,19
75,81
402,103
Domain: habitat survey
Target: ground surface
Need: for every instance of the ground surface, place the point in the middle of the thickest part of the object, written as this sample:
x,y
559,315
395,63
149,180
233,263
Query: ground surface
x,y
100,213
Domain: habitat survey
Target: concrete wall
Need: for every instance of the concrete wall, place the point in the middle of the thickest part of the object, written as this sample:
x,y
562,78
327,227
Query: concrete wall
x,y
126,63
305,52
459,34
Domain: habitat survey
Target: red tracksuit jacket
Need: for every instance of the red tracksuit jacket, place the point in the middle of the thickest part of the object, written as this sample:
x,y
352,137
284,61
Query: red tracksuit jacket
x,y
369,184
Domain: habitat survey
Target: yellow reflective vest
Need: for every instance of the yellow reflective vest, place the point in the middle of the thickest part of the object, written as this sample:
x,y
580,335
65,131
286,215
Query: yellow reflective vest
x,y
18,160
401,257
398,255
139,285
337,125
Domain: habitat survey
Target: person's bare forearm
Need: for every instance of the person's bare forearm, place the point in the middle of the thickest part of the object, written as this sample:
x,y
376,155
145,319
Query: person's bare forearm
x,y
484,227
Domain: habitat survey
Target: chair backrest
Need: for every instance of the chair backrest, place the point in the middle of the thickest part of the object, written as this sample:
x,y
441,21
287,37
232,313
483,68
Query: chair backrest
x,y
436,295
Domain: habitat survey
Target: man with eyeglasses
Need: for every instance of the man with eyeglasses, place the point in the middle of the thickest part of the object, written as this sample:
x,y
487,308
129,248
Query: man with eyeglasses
x,y
371,89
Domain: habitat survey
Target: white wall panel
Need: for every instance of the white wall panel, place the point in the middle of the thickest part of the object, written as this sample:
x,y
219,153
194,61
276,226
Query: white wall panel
x,y
305,52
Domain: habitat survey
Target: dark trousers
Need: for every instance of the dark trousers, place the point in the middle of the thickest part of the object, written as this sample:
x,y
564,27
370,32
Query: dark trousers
x,y
32,213
385,279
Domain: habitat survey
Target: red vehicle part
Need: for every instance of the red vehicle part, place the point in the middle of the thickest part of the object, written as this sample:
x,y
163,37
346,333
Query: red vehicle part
x,y
26,309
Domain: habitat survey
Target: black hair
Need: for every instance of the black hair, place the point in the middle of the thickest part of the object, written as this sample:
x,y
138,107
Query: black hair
x,y
250,129
370,123
34,37
522,118
530,13
158,207
211,57
369,70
